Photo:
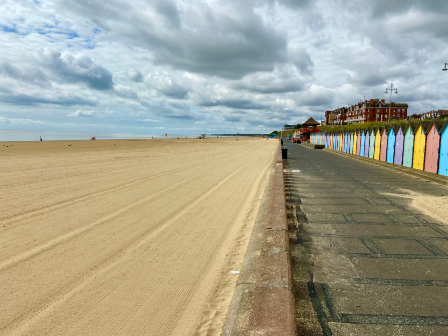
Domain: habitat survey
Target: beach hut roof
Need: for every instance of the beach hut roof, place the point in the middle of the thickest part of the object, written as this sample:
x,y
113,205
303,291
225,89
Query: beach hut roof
x,y
387,128
395,127
426,125
404,128
311,122
440,125
414,126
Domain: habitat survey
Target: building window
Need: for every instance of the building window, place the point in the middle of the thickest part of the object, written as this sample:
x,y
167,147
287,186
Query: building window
x,y
377,116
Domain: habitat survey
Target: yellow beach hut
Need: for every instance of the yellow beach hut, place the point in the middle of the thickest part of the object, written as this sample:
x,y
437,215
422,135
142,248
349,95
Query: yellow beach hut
x,y
376,154
355,141
418,161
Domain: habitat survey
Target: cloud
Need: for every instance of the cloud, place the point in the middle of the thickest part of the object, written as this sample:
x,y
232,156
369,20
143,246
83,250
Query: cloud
x,y
229,40
77,68
80,113
89,114
167,85
135,76
281,80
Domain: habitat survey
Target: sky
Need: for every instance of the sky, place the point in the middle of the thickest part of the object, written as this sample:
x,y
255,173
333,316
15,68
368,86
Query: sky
x,y
212,66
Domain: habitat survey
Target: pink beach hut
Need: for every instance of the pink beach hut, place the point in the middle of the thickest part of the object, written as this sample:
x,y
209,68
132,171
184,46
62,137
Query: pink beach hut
x,y
383,150
433,146
358,143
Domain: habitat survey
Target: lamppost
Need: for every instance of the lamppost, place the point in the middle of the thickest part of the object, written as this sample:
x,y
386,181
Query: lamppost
x,y
391,89
445,69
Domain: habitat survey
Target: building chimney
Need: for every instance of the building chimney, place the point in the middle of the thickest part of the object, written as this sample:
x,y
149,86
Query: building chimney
x,y
392,104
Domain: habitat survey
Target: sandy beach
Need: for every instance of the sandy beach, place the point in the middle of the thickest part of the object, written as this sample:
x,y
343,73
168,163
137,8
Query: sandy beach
x,y
125,237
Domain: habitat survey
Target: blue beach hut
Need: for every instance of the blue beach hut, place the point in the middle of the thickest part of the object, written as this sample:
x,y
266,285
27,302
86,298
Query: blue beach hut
x,y
390,146
443,151
363,142
346,142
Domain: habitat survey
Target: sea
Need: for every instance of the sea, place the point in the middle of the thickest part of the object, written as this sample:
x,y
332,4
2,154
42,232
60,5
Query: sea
x,y
16,135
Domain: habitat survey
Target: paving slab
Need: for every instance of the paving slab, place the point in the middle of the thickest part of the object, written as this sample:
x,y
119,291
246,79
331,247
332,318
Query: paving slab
x,y
373,264
401,269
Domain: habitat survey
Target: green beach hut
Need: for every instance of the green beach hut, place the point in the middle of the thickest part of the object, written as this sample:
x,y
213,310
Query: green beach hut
x,y
408,148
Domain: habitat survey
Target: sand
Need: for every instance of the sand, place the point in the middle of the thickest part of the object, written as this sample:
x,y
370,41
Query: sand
x,y
125,237
432,206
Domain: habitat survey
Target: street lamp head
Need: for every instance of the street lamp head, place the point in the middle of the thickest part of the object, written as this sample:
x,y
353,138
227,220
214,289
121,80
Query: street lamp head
x,y
385,92
445,69
396,91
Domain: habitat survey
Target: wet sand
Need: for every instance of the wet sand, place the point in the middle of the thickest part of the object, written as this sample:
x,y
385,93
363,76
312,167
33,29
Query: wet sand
x,y
125,237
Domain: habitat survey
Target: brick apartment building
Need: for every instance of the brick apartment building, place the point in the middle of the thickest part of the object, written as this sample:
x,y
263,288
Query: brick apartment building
x,y
433,114
367,111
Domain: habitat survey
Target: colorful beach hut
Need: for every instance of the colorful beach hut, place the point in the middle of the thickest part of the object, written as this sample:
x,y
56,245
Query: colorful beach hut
x,y
443,157
363,142
372,143
346,142
408,149
355,141
377,150
391,145
433,145
358,143
350,148
399,144
366,143
341,141
419,145
383,147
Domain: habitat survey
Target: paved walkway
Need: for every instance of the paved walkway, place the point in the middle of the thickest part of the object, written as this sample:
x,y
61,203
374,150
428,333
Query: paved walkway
x,y
366,262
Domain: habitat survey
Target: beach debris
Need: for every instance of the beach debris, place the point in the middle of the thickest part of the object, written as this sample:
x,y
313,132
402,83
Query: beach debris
x,y
93,138
234,272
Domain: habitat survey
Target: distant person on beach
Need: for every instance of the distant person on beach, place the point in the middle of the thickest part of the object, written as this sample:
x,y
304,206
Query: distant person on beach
x,y
40,138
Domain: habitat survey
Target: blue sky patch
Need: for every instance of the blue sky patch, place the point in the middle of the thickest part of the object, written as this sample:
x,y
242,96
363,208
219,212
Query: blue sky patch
x,y
9,29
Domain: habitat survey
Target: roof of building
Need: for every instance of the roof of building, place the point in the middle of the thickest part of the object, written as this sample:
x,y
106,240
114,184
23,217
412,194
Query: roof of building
x,y
311,122
396,105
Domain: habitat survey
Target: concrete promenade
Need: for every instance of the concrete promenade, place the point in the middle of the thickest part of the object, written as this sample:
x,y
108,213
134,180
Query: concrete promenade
x,y
365,261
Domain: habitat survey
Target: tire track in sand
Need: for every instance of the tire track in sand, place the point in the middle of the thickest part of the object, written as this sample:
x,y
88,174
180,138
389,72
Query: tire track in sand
x,y
96,194
122,255
41,248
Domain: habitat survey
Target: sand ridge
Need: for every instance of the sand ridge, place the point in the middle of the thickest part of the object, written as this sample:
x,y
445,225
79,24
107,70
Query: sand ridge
x,y
124,237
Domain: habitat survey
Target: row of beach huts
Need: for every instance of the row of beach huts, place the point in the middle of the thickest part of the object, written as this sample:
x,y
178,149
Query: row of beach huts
x,y
421,145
